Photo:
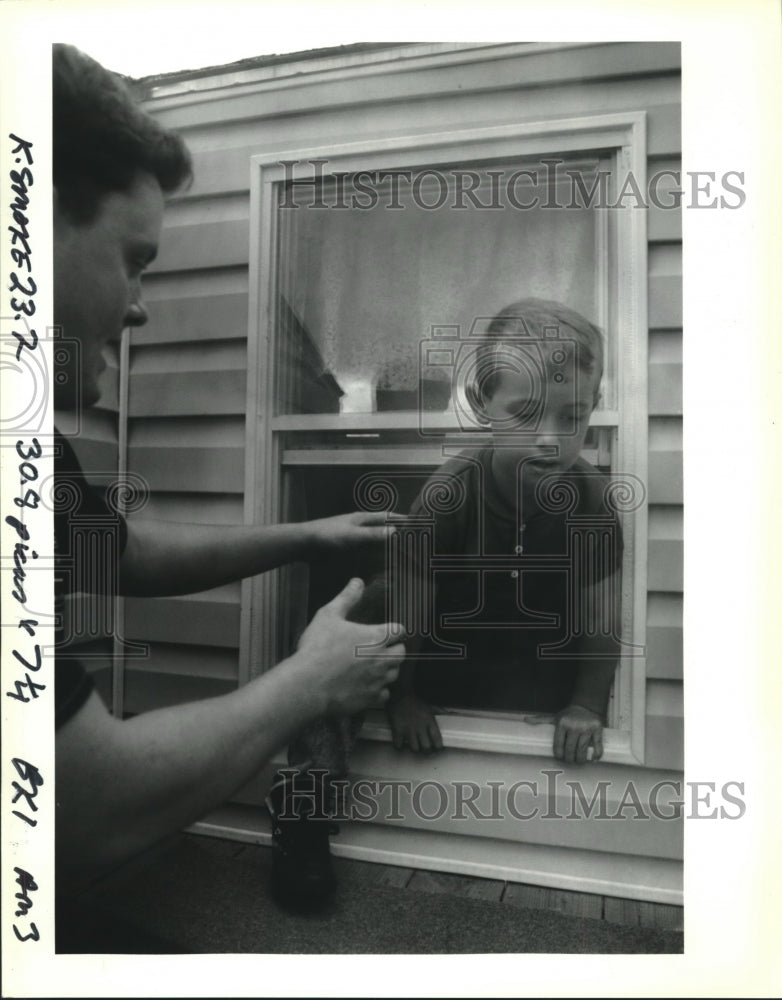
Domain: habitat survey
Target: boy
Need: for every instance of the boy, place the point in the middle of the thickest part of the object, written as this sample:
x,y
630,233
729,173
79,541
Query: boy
x,y
539,635
521,587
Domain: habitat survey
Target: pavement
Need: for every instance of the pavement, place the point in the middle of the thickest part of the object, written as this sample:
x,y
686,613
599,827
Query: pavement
x,y
204,895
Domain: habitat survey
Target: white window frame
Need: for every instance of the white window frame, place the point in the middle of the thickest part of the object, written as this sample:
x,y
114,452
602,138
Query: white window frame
x,y
621,136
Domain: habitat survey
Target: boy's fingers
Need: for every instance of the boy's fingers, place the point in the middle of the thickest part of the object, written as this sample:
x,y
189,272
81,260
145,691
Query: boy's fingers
x,y
435,735
597,742
396,734
538,720
559,741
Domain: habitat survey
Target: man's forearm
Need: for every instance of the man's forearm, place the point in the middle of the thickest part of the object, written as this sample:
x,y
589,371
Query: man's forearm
x,y
164,558
121,786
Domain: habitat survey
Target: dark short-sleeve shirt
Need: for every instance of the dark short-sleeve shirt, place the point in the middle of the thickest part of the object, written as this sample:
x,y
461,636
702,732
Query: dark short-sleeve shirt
x,y
88,533
509,622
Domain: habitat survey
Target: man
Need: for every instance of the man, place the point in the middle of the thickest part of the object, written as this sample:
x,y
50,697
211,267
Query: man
x,y
122,785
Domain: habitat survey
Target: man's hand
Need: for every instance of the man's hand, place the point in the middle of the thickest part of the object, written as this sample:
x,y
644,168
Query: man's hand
x,y
331,534
413,724
122,784
576,730
349,679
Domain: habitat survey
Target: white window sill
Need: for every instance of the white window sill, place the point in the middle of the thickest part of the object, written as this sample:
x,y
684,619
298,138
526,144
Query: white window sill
x,y
501,734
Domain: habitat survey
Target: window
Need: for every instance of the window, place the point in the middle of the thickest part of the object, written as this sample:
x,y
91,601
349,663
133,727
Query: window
x,y
371,266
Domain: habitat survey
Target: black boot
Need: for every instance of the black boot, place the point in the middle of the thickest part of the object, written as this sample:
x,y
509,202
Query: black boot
x,y
303,876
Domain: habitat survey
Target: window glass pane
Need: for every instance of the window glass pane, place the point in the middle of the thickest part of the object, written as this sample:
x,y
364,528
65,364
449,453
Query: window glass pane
x,y
368,269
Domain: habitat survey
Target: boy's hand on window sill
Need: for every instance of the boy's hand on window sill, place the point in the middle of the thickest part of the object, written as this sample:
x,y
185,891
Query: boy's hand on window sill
x,y
577,730
578,733
413,724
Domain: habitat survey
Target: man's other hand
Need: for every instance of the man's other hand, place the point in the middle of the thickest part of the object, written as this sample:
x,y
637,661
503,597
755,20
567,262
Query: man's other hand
x,y
352,664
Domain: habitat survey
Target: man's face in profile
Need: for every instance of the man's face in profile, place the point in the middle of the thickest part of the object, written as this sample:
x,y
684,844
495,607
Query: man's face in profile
x,y
97,280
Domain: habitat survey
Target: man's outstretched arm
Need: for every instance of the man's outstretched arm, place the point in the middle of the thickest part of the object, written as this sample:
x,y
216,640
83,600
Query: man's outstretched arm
x,y
163,558
122,785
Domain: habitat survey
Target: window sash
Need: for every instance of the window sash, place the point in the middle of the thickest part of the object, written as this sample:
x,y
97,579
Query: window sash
x,y
620,138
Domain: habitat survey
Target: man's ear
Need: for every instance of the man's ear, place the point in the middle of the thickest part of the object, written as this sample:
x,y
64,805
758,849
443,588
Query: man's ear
x,y
475,399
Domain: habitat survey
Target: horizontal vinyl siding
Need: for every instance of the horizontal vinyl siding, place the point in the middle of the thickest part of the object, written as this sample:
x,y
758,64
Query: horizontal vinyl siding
x,y
186,424
186,407
644,878
93,431
195,319
93,434
177,672
210,620
551,795
664,636
664,694
543,81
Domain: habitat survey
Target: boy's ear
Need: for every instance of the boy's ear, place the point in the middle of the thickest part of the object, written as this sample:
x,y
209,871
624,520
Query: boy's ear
x,y
475,399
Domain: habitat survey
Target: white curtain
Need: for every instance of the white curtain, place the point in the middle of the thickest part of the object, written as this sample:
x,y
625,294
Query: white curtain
x,y
368,285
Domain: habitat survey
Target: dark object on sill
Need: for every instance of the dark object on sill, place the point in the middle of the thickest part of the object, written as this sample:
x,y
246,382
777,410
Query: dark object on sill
x,y
432,394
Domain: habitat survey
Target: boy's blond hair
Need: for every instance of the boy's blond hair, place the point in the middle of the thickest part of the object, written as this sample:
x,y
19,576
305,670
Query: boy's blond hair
x,y
543,322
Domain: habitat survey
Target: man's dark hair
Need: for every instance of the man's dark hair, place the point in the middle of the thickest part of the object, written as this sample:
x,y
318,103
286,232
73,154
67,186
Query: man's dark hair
x,y
102,137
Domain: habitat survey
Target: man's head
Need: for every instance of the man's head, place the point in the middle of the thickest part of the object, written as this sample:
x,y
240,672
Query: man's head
x,y
112,164
537,380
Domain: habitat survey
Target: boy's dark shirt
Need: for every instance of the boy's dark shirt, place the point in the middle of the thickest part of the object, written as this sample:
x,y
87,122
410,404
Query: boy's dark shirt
x,y
504,667
79,509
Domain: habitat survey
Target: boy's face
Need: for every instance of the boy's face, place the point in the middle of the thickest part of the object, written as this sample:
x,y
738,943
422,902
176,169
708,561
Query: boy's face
x,y
545,423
